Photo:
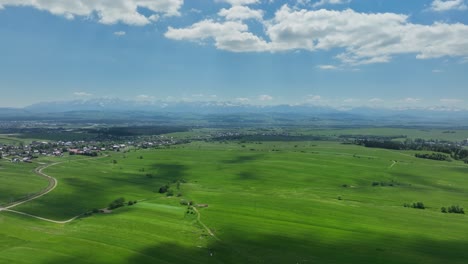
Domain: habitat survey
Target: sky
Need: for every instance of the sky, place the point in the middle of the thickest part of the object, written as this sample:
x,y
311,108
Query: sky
x,y
340,53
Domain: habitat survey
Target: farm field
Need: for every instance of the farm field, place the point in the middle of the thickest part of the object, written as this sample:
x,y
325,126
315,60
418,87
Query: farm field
x,y
268,202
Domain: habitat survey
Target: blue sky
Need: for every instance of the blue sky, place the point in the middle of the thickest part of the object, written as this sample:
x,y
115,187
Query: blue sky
x,y
332,52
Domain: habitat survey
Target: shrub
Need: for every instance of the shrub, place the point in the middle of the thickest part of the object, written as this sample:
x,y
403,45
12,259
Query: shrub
x,y
170,193
418,205
117,203
163,189
455,209
443,210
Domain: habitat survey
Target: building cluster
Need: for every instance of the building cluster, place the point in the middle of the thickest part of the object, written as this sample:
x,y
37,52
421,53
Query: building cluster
x,y
25,153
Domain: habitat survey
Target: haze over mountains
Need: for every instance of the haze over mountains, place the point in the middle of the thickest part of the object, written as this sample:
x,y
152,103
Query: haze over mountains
x,y
108,107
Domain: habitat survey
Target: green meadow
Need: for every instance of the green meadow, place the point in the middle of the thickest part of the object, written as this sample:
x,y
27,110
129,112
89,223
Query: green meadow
x,y
18,181
268,202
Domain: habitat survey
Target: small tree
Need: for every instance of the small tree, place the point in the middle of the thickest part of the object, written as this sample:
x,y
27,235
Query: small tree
x,y
117,203
163,189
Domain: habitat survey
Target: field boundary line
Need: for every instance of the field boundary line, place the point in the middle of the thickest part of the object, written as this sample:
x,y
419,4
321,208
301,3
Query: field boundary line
x,y
203,225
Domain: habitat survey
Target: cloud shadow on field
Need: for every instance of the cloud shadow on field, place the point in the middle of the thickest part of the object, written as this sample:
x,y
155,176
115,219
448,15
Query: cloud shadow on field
x,y
170,172
423,181
243,159
283,249
247,175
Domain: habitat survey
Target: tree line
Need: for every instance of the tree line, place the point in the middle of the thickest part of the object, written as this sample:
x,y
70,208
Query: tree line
x,y
453,151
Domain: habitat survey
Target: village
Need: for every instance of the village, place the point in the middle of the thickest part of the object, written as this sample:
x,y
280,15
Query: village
x,y
17,153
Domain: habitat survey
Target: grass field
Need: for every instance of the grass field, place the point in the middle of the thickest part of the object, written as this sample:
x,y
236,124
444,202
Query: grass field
x,y
275,202
18,181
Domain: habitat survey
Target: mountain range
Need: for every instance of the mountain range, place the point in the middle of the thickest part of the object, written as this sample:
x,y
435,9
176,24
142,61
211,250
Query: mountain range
x,y
106,106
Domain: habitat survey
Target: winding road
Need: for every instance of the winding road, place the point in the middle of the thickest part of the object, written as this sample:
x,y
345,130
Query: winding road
x,y
50,187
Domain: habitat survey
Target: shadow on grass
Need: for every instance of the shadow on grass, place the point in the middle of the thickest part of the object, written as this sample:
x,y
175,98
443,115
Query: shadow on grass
x,y
83,194
243,159
170,172
247,175
424,181
282,249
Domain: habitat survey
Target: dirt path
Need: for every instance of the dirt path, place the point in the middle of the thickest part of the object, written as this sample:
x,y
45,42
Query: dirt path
x,y
42,218
52,185
204,226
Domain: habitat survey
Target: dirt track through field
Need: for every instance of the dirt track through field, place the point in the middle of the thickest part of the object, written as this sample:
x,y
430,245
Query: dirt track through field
x,y
204,226
50,187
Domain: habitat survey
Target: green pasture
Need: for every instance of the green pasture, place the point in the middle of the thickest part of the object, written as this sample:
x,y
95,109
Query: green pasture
x,y
11,140
411,133
268,202
17,181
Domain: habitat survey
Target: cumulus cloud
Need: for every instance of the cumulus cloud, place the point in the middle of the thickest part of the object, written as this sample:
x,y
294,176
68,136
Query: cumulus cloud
x,y
241,13
327,67
82,94
451,101
446,5
240,2
144,97
230,35
265,97
364,38
242,99
107,12
330,2
376,100
314,98
410,100
349,100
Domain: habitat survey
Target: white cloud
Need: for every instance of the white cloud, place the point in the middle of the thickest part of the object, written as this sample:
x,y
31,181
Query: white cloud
x,y
241,13
107,12
451,101
376,100
446,5
144,97
154,17
242,99
230,35
82,94
327,67
349,100
265,97
410,100
437,71
194,10
120,33
330,2
240,2
365,38
314,98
